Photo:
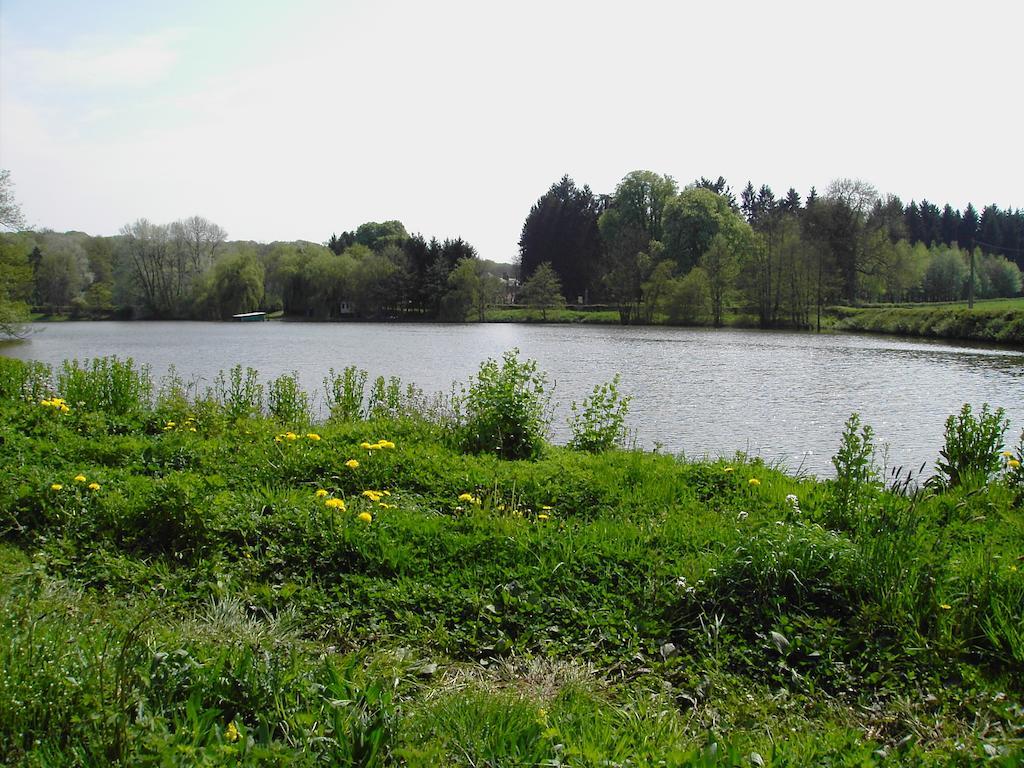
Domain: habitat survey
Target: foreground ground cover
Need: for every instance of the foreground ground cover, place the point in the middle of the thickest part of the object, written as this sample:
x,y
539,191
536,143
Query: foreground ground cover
x,y
191,581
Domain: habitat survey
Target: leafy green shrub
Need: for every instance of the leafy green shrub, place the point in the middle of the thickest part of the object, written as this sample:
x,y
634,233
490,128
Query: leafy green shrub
x,y
389,400
600,422
241,395
106,383
505,409
344,393
21,380
856,471
970,454
286,401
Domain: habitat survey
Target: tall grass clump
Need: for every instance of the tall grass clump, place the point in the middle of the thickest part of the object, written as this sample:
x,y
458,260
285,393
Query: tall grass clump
x,y
107,384
599,423
970,453
505,409
68,681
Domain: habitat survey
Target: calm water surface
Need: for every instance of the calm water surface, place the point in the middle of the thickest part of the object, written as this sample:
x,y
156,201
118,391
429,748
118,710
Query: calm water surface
x,y
780,396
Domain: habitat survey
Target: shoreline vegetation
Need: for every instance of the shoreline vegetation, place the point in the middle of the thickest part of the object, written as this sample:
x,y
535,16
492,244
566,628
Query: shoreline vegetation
x,y
211,578
650,251
997,321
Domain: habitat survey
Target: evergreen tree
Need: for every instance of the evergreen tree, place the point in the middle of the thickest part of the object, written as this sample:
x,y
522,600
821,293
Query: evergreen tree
x,y
990,233
912,216
931,223
949,225
561,230
791,202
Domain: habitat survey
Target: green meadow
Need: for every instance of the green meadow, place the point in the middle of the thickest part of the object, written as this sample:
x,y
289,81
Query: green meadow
x,y
217,578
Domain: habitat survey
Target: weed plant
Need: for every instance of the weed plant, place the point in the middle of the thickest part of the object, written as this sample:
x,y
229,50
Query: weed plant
x,y
505,409
599,423
970,453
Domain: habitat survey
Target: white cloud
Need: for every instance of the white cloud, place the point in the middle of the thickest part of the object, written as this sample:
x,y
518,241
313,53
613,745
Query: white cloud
x,y
136,62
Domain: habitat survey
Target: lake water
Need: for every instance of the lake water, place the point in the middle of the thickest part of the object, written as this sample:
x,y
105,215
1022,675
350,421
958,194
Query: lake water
x,y
781,396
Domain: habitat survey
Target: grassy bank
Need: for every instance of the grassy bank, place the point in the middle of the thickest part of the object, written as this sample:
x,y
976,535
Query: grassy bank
x,y
999,320
215,581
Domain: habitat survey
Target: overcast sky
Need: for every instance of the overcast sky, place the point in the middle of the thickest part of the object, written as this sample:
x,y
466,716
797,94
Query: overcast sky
x,y
293,120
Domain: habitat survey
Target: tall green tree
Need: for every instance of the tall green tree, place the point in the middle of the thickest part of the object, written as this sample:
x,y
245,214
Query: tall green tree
x,y
542,290
631,229
62,274
561,230
237,283
379,234
852,200
15,284
721,264
968,229
691,221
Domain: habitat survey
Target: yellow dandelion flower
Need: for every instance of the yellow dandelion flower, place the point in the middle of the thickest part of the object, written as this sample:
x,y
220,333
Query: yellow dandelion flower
x,y
46,403
277,439
729,469
336,504
56,487
945,606
542,516
313,436
64,409
365,517
290,436
94,486
546,508
80,478
373,496
1013,463
171,424
191,429
1007,454
367,446
321,493
467,497
754,481
352,464
231,732
386,444
385,493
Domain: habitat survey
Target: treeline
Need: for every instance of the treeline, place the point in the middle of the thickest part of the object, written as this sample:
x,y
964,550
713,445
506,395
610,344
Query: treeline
x,y
650,249
188,270
696,254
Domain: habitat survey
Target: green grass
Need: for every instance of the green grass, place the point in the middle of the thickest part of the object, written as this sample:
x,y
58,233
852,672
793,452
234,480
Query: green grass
x,y
508,314
994,320
619,608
